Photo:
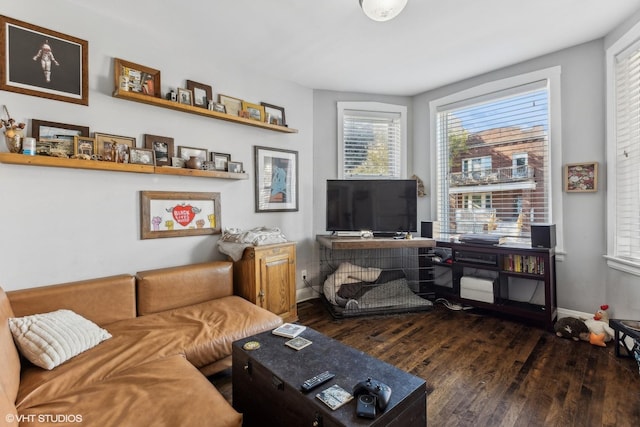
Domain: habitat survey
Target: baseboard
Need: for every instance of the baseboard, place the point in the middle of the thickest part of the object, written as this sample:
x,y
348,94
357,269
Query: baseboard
x,y
307,293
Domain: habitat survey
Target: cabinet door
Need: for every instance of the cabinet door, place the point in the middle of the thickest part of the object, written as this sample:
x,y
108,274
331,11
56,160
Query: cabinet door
x,y
277,284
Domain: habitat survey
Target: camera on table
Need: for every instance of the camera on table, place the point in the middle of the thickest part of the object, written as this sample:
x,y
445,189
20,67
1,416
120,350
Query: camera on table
x,y
366,406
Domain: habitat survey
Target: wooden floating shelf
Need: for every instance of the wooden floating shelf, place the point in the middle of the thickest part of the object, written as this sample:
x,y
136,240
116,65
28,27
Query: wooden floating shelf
x,y
161,170
173,105
58,162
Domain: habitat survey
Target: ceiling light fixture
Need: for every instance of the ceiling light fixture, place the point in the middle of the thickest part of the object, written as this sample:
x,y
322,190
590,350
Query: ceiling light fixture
x,y
382,10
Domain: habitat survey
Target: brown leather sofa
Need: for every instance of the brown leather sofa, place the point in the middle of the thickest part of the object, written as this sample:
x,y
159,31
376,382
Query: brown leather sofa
x,y
169,327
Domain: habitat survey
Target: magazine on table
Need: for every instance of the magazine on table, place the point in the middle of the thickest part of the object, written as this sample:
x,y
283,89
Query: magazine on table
x,y
289,330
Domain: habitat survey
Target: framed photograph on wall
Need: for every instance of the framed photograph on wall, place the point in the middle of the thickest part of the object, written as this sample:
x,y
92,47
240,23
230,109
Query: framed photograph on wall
x,y
113,148
56,139
162,147
84,145
232,105
201,93
40,62
274,114
137,78
185,96
221,160
142,156
186,152
256,112
581,177
235,167
176,214
276,175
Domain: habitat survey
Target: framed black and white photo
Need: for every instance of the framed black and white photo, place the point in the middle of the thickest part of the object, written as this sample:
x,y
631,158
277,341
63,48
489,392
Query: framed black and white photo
x,y
162,147
202,93
187,152
221,160
40,62
276,174
235,167
141,156
185,96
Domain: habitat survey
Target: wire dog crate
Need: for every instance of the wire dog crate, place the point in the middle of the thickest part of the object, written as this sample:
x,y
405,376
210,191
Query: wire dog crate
x,y
360,282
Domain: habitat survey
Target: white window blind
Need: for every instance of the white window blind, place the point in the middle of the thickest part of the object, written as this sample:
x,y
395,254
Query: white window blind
x,y
626,163
493,162
372,141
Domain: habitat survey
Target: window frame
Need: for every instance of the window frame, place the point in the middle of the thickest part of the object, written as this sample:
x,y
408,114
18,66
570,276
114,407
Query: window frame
x,y
552,76
626,41
377,107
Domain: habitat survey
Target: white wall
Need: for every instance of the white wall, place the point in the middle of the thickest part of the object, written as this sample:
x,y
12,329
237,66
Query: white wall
x,y
59,225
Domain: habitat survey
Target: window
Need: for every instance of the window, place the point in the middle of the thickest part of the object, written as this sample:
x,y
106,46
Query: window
x,y
623,153
372,140
493,156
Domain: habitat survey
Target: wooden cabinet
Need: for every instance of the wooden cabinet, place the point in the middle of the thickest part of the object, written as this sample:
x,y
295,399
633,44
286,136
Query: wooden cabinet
x,y
266,276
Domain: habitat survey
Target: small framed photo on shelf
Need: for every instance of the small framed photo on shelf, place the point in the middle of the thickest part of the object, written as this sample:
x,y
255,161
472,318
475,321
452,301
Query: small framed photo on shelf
x,y
256,112
232,105
137,78
581,177
274,114
56,139
235,167
202,93
186,153
162,147
113,148
185,96
221,160
84,145
142,156
217,107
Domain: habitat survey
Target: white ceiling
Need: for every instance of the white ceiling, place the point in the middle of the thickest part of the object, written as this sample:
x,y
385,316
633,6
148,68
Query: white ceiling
x,y
331,44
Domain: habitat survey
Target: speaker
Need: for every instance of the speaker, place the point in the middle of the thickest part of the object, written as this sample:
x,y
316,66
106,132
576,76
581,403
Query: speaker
x,y
543,235
426,229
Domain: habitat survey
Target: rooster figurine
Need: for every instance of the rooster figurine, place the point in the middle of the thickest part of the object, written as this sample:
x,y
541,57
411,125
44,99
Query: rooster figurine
x,y
600,331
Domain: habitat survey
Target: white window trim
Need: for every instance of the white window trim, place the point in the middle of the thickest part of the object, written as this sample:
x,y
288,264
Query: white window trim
x,y
378,107
552,75
619,46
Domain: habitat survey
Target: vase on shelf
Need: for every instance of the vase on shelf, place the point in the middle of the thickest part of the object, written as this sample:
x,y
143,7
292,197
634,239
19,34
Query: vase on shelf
x,y
194,162
13,139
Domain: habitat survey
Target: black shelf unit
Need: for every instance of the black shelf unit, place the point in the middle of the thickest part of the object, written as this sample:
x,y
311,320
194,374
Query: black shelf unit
x,y
511,268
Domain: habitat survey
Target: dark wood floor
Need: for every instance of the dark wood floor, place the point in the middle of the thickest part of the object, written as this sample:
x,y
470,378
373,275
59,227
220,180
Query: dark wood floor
x,y
483,370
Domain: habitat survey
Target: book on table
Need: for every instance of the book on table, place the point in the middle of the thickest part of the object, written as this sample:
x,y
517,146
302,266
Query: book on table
x,y
289,330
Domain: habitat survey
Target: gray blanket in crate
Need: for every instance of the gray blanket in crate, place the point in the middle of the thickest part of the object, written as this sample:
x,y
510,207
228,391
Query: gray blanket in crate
x,y
395,293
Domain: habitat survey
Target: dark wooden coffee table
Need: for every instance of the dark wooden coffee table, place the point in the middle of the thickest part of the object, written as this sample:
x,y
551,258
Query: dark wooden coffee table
x,y
266,384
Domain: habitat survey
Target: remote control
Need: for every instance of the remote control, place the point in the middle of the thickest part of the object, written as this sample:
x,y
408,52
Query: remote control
x,y
314,382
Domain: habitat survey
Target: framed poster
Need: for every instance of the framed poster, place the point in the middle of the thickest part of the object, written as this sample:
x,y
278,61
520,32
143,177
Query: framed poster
x,y
581,177
40,62
176,214
276,174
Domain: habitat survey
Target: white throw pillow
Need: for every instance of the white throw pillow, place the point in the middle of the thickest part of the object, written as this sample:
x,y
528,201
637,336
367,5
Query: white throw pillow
x,y
50,339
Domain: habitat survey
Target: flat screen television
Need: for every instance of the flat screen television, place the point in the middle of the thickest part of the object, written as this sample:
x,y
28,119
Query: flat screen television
x,y
383,206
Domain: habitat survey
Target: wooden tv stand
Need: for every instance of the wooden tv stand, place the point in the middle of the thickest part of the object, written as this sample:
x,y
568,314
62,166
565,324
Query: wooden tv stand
x,y
337,243
512,269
